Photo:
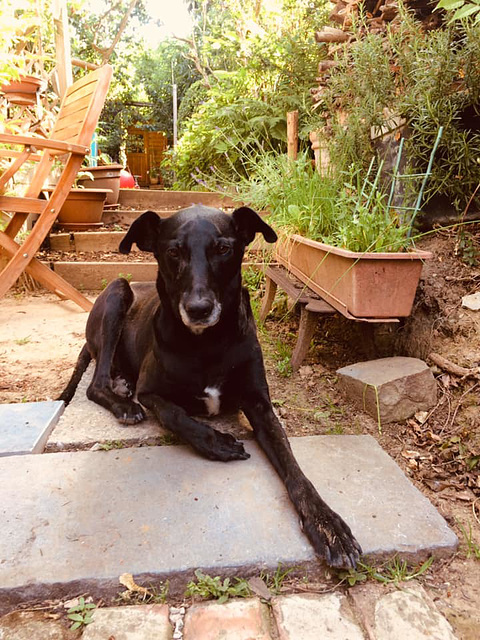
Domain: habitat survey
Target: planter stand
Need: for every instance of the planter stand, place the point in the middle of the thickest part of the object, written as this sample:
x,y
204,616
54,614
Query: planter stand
x,y
310,307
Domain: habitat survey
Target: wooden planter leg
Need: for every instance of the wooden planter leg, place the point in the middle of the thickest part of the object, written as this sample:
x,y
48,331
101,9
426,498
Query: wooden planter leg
x,y
306,329
268,298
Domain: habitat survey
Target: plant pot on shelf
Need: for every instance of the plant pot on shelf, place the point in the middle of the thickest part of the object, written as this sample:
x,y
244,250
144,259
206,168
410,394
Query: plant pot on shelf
x,y
359,285
104,177
22,91
82,209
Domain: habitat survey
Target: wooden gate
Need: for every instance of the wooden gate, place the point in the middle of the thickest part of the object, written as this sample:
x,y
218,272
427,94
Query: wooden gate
x,y
145,151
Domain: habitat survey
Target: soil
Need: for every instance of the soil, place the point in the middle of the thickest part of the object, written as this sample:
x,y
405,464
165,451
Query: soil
x,y
440,451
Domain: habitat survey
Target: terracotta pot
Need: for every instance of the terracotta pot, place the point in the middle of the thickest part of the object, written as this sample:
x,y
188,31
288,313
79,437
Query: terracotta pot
x,y
23,90
359,285
82,209
104,177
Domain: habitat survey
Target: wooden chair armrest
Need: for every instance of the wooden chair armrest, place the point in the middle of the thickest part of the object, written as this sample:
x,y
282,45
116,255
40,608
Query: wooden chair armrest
x,y
43,143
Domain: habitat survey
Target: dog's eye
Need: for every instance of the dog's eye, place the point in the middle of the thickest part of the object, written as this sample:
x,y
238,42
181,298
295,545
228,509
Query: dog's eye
x,y
173,252
223,249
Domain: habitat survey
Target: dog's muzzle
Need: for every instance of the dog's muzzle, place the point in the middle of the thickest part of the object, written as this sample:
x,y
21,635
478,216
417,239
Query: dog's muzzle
x,y
199,313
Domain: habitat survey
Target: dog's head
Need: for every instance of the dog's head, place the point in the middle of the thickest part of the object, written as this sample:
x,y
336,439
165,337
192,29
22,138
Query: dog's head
x,y
199,251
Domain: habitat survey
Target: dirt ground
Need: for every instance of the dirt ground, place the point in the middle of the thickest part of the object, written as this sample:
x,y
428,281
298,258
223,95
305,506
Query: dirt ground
x,y
440,452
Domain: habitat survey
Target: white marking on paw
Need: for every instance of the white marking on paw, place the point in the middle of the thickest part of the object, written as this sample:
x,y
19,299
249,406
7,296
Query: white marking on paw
x,y
121,388
212,400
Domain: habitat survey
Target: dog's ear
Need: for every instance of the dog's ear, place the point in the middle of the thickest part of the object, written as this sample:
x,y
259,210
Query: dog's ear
x,y
248,223
144,232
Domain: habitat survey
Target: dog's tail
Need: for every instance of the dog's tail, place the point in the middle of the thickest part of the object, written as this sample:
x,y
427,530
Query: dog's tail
x,y
82,363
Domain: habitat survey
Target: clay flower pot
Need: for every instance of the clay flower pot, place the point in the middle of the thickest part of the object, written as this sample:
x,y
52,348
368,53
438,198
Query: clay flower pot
x,y
104,177
22,91
359,285
83,209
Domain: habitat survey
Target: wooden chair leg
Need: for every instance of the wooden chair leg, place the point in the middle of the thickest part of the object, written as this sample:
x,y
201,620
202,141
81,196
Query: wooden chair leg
x,y
308,322
45,276
268,298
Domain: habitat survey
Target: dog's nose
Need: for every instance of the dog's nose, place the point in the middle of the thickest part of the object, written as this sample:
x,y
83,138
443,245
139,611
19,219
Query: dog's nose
x,y
199,308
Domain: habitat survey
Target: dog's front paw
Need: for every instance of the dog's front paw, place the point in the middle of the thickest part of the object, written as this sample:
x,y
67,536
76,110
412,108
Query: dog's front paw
x,y
329,534
128,413
221,446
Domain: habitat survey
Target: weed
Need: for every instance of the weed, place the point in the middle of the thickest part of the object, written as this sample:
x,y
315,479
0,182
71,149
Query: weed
x,y
283,359
151,595
103,283
208,587
473,549
336,430
127,276
274,581
393,572
21,341
466,248
112,444
81,614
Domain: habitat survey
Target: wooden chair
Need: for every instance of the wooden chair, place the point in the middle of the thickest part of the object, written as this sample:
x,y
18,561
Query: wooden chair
x,y
70,143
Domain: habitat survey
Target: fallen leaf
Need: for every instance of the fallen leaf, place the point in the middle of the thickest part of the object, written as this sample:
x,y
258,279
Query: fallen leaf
x,y
127,580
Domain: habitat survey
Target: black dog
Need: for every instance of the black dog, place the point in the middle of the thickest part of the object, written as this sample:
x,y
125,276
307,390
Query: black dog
x,y
189,344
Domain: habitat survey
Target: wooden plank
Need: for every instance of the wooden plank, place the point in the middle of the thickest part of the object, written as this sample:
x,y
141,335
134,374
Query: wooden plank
x,y
156,199
95,275
88,241
292,134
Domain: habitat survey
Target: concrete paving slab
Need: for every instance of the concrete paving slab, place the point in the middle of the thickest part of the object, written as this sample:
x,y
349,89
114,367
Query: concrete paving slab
x,y
236,620
84,423
25,427
82,519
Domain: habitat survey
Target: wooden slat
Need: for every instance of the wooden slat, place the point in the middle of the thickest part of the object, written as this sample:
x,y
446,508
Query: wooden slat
x,y
13,204
43,143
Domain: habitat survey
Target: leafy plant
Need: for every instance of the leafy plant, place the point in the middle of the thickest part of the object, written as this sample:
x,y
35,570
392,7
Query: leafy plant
x,y
461,9
221,590
394,572
275,580
81,614
473,549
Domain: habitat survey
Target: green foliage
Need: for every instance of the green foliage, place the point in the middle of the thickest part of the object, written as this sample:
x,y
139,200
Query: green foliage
x,y
81,614
473,549
256,65
393,572
274,581
424,79
345,211
461,9
221,590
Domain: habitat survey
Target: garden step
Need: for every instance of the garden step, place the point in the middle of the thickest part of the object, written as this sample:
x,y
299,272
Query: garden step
x,y
159,199
25,427
74,522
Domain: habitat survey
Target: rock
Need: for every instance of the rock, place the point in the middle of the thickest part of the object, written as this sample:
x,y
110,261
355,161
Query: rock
x,y
472,301
390,389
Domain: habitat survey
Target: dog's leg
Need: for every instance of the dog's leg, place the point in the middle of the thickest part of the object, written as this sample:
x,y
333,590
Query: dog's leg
x,y
330,536
209,442
104,329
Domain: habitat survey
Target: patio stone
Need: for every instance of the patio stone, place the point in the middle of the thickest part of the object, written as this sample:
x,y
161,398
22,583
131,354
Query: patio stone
x,y
75,522
25,427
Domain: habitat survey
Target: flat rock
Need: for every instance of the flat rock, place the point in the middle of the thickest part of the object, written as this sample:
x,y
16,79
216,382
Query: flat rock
x,y
472,301
390,389
85,424
73,522
236,620
25,427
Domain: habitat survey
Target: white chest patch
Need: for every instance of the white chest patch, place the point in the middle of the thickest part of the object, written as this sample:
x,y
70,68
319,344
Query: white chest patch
x,y
212,400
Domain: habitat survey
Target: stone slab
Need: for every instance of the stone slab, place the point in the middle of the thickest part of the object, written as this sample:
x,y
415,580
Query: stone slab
x,y
82,519
25,427
84,424
141,622
303,617
390,389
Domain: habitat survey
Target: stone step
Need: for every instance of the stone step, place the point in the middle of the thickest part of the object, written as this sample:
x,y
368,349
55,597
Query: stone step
x,y
74,522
